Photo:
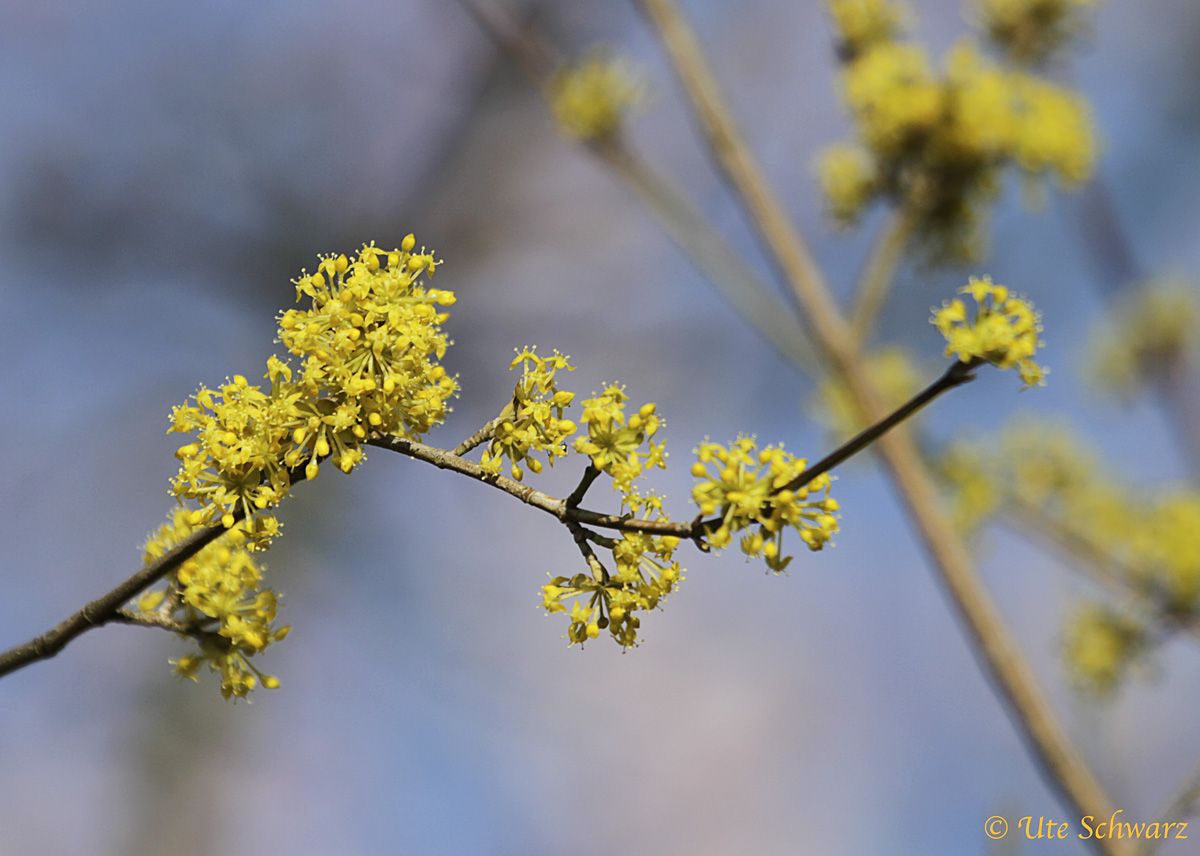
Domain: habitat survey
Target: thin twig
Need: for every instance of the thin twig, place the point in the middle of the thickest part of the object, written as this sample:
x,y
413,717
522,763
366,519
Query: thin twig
x,y
104,609
1060,763
581,536
879,274
137,618
955,375
590,474
107,608
568,510
485,433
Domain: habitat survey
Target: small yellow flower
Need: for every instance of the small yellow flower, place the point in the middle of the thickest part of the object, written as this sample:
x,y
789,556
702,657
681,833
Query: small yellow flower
x,y
849,181
1004,330
645,572
621,445
535,421
747,487
591,98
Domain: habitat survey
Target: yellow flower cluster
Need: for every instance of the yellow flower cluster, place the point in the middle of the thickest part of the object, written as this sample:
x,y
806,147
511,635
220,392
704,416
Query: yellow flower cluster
x,y
747,487
534,421
619,446
235,466
895,376
1151,334
369,344
1004,330
862,24
849,179
1146,537
646,572
936,144
1100,647
590,99
218,594
1031,30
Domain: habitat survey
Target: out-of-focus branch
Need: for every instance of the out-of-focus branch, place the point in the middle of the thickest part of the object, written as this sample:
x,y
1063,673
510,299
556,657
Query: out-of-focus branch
x,y
707,250
1058,760
1115,268
879,275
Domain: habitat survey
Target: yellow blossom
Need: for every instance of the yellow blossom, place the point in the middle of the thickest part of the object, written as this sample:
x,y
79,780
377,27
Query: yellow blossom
x,y
894,96
849,180
219,595
1003,330
645,571
534,421
590,99
619,446
746,487
862,24
1152,333
1100,646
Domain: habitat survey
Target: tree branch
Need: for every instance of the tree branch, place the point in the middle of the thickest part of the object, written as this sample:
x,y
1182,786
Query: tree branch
x,y
485,433
879,274
1059,762
104,609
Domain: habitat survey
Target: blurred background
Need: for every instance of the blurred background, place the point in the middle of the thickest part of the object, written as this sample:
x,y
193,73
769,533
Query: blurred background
x,y
166,168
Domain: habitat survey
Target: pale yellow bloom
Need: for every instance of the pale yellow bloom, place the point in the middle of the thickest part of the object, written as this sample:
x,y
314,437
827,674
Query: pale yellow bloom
x,y
591,98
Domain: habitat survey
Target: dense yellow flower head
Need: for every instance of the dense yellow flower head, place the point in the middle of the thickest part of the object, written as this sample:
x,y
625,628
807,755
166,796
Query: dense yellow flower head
x,y
646,571
619,446
747,487
219,593
591,98
1053,130
235,465
369,343
894,96
1151,333
1004,330
936,143
862,24
534,421
1031,30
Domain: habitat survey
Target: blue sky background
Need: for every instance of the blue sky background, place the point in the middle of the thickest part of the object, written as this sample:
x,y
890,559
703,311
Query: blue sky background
x,y
166,168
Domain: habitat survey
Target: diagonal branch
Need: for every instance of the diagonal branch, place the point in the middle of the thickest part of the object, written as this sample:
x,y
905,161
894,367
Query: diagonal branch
x,y
104,609
880,273
1058,760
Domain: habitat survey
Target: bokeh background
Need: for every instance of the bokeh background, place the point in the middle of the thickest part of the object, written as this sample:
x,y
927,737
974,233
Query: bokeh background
x,y
166,168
